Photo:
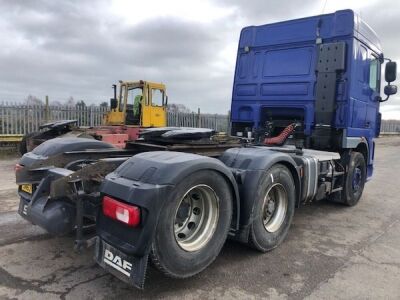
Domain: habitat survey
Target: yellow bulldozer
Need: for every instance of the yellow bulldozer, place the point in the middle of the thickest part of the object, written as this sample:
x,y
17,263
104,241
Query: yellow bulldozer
x,y
140,103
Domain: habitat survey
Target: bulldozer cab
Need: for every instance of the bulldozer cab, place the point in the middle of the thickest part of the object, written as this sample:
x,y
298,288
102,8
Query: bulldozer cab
x,y
140,103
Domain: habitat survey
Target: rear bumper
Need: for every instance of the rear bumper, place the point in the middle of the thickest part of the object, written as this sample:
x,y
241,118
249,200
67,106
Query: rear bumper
x,y
56,217
53,204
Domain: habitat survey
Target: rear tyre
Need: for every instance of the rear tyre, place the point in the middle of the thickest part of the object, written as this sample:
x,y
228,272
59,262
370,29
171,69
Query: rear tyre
x,y
355,179
273,209
193,226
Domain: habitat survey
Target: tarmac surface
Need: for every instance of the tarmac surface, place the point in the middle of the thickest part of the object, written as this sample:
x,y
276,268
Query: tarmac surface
x,y
331,251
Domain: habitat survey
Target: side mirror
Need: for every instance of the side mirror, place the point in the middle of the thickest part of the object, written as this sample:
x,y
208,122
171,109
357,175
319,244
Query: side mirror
x,y
113,103
390,90
390,72
166,100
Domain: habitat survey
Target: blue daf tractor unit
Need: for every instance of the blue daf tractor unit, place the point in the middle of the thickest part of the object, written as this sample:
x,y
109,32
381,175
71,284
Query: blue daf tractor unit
x,y
304,115
322,73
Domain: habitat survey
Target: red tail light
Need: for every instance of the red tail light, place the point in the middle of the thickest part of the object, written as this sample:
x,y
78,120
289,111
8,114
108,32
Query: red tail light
x,y
18,168
125,213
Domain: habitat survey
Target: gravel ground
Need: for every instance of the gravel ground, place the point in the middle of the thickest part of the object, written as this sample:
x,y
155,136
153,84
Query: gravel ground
x,y
331,252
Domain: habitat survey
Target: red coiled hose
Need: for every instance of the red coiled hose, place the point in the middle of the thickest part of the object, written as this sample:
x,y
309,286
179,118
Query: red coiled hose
x,y
280,139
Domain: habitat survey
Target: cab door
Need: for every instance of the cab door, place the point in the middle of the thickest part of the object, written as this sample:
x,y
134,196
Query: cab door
x,y
360,90
374,83
365,90
154,114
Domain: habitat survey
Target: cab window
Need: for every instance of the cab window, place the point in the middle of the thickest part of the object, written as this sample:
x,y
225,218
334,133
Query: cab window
x,y
132,93
134,106
157,97
374,74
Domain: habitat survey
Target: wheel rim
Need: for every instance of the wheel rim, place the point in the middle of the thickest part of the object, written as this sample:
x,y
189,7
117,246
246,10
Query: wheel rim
x,y
196,218
274,207
357,176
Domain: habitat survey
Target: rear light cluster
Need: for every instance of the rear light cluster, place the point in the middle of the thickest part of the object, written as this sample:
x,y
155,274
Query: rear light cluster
x,y
125,213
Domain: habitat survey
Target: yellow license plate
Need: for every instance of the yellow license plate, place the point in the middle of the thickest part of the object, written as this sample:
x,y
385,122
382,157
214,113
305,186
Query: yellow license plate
x,y
27,188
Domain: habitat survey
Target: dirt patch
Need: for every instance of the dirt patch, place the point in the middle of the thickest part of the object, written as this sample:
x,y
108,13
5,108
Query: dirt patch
x,y
8,200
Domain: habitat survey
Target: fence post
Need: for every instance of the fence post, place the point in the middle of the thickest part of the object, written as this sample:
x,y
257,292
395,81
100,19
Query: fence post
x,y
198,118
228,126
47,111
91,116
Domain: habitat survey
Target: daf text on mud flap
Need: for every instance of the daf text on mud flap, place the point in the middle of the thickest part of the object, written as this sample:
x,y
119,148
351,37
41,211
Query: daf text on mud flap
x,y
117,262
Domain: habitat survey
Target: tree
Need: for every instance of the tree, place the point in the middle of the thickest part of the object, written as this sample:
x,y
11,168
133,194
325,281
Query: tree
x,y
55,103
33,100
104,104
174,107
70,101
80,103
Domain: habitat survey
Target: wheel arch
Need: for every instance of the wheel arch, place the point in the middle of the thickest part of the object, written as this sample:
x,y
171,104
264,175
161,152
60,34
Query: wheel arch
x,y
250,166
296,178
170,168
363,148
52,148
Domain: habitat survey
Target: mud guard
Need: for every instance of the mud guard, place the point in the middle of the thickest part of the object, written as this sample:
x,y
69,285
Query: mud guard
x,y
249,166
129,269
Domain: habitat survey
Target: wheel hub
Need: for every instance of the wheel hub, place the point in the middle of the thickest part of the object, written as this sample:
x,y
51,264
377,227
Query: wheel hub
x,y
271,206
274,207
196,218
357,179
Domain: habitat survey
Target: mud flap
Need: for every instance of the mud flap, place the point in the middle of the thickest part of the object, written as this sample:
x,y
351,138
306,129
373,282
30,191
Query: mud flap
x,y
129,269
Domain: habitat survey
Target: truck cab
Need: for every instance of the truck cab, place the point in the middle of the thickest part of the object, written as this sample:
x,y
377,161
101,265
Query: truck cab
x,y
322,73
140,103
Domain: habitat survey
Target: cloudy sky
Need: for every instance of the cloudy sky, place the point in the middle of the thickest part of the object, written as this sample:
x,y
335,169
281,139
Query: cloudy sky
x,y
79,48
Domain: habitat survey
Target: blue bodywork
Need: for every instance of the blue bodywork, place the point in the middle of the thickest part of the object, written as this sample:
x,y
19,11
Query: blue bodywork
x,y
276,75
